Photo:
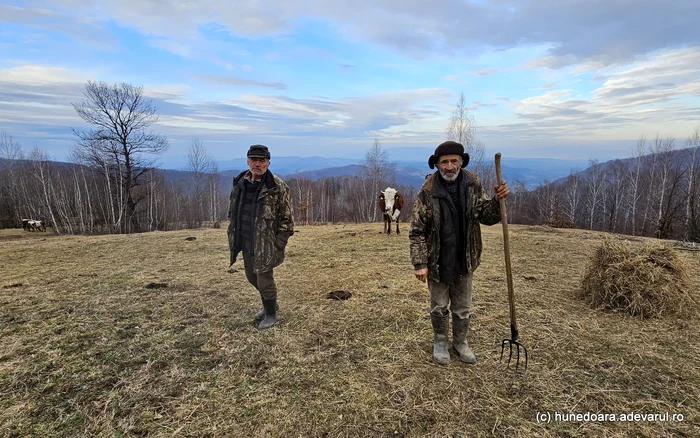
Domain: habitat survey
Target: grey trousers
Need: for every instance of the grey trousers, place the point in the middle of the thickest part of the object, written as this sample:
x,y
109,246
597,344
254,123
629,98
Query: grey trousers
x,y
457,297
263,282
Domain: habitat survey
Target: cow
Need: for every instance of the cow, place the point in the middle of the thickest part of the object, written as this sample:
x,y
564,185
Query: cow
x,y
33,225
390,203
39,226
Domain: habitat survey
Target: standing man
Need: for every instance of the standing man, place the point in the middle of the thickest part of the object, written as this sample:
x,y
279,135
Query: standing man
x,y
446,243
260,212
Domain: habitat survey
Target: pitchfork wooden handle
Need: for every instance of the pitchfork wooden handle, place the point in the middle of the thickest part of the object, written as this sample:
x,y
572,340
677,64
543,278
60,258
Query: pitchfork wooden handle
x,y
506,248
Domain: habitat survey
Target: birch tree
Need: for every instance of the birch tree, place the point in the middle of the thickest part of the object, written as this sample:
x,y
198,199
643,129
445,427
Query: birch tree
x,y
377,172
10,152
198,166
633,181
462,129
572,195
594,188
664,150
692,142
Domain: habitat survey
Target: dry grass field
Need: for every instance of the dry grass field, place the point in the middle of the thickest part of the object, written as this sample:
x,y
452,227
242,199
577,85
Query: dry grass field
x,y
87,348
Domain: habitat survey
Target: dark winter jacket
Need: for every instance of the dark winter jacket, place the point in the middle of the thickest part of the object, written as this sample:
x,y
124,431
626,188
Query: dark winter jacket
x,y
274,222
428,219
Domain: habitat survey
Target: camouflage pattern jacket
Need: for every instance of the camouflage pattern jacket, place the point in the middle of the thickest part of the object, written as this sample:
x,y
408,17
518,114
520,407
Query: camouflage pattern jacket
x,y
273,226
424,233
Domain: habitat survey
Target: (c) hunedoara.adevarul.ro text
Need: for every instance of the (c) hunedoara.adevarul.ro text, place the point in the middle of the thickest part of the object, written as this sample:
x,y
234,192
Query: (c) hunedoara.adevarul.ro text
x,y
569,417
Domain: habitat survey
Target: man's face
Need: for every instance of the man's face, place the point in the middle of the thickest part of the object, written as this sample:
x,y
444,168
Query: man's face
x,y
449,166
258,166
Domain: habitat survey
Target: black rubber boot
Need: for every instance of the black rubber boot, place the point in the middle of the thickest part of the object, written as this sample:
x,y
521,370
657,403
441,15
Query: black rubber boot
x,y
270,307
441,324
460,329
261,313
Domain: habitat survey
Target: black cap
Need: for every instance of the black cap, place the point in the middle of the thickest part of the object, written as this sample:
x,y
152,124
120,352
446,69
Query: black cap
x,y
258,151
448,148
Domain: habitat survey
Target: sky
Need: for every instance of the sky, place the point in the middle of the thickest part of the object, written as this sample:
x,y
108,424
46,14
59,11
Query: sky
x,y
579,79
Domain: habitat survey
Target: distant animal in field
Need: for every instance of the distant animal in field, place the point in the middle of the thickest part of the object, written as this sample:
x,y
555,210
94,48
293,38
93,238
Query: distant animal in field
x,y
33,225
390,203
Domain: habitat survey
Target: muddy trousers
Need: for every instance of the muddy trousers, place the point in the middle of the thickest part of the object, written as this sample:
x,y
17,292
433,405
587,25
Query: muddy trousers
x,y
456,297
263,282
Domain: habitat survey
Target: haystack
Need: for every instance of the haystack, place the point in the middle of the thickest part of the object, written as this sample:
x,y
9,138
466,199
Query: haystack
x,y
651,281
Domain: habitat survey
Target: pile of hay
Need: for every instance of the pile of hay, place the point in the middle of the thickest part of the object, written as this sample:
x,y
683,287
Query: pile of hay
x,y
651,281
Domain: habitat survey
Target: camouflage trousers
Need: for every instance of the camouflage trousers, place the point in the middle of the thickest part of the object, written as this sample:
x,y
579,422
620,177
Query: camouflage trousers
x,y
456,297
263,282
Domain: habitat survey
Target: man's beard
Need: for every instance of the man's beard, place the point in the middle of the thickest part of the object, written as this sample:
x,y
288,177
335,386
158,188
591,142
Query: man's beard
x,y
448,177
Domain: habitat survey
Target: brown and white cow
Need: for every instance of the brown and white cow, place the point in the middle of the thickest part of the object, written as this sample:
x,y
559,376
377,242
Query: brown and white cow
x,y
390,203
33,225
38,225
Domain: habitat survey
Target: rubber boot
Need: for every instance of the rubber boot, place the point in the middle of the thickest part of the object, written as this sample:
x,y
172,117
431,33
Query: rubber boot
x,y
441,354
270,307
460,329
261,313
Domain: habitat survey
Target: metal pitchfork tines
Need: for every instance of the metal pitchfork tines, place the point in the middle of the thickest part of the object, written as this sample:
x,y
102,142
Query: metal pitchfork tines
x,y
512,343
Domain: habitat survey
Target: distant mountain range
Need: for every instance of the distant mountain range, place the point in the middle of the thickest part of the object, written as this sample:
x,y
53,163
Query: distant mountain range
x,y
531,171
409,172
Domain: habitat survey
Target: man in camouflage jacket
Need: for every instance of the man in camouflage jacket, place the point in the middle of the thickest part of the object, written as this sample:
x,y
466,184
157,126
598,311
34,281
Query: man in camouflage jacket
x,y
261,222
445,240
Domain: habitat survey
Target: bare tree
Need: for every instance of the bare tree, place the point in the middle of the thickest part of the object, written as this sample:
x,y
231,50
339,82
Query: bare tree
x,y
42,173
198,164
377,171
692,142
614,193
462,129
594,189
517,200
634,182
10,152
119,141
664,149
214,193
572,195
546,202
303,197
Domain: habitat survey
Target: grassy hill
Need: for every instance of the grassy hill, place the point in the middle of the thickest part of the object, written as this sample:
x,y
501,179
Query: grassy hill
x,y
150,335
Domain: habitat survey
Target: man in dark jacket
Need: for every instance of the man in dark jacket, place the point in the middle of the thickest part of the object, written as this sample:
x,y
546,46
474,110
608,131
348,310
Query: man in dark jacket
x,y
445,240
261,218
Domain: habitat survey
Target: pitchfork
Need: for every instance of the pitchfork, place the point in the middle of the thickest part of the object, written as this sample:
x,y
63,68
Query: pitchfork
x,y
512,343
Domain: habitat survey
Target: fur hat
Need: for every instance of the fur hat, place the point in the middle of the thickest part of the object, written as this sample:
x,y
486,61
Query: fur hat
x,y
448,148
258,151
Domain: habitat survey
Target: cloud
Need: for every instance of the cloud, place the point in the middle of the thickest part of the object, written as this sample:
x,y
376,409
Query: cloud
x,y
646,95
606,32
304,70
75,28
236,81
347,68
484,71
38,98
183,18
609,32
41,74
